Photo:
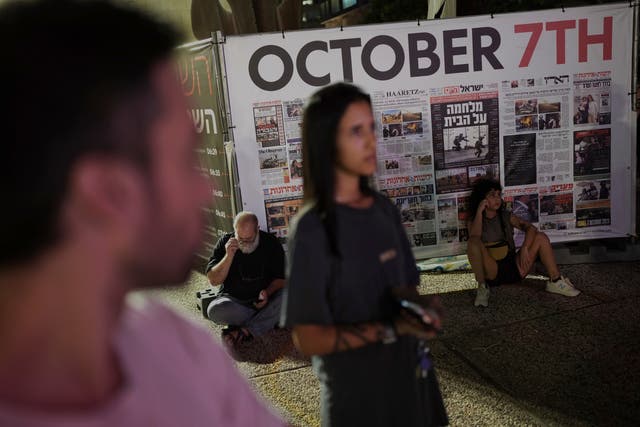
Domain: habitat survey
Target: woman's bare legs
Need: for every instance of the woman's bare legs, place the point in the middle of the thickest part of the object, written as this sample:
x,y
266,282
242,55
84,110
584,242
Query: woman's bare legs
x,y
484,267
540,246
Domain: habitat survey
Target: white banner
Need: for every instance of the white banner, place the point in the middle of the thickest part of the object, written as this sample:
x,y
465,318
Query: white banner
x,y
539,100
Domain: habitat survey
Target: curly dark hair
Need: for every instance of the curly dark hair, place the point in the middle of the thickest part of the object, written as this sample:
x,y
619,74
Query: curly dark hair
x,y
479,192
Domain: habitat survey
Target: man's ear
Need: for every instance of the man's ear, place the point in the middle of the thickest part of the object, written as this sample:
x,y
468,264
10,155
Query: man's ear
x,y
106,193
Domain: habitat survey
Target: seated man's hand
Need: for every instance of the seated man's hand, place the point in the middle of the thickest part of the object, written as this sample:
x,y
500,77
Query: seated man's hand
x,y
263,297
231,246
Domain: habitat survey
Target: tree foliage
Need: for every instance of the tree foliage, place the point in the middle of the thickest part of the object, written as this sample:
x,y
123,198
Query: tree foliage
x,y
396,10
410,10
504,6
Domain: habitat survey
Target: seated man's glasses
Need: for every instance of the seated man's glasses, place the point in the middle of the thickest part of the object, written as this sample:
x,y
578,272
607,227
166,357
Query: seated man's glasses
x,y
247,240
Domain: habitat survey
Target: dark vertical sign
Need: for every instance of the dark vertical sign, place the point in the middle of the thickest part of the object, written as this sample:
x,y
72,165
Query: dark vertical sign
x,y
195,71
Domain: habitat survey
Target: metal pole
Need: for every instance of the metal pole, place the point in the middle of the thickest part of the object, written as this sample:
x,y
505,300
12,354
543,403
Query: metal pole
x,y
635,101
227,122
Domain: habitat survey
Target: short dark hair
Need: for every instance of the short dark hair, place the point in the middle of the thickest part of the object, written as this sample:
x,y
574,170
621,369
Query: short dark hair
x,y
479,191
320,122
75,81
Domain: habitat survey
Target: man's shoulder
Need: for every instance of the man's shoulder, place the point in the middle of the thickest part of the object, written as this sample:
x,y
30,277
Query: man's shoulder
x,y
267,235
149,325
141,310
268,239
174,361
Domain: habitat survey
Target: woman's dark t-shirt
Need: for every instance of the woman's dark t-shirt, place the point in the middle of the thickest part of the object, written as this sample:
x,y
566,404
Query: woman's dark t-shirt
x,y
374,385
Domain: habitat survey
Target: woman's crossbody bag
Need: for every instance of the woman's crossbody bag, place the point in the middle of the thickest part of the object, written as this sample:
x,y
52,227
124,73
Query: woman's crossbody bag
x,y
497,250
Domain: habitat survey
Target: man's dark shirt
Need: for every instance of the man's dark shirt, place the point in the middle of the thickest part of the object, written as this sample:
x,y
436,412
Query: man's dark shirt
x,y
250,273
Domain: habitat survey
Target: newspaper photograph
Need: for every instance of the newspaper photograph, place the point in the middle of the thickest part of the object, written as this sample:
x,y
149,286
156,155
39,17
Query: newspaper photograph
x,y
592,152
593,203
556,207
593,214
268,124
519,159
537,104
447,220
417,213
411,194
391,124
293,120
465,132
550,114
483,172
475,145
527,123
397,123
403,165
423,239
592,99
401,125
272,158
526,112
524,203
452,180
415,208
592,190
463,216
275,175
421,235
295,161
414,198
556,204
524,206
279,214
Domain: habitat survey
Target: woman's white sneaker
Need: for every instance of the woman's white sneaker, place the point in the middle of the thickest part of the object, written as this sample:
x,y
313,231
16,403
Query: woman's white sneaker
x,y
482,296
562,286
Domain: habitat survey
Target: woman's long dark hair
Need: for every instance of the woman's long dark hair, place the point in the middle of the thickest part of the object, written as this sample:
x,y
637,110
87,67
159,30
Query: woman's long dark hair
x,y
322,116
479,192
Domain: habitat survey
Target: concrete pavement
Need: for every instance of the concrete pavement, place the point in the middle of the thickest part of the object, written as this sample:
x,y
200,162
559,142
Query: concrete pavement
x,y
530,358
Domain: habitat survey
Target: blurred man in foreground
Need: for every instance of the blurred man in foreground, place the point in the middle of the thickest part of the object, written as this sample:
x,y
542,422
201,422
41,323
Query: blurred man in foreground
x,y
101,196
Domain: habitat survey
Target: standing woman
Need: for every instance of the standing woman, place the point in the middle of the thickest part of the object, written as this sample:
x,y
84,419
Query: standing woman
x,y
348,249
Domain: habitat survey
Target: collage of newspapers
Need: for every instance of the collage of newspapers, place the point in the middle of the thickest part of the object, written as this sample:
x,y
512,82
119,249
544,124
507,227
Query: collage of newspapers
x,y
547,139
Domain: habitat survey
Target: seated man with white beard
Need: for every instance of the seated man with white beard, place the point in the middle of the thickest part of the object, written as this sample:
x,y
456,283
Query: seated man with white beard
x,y
249,264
